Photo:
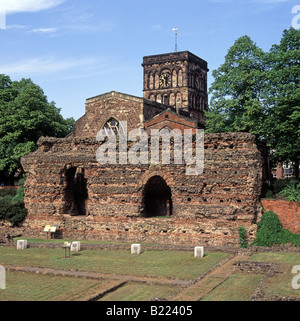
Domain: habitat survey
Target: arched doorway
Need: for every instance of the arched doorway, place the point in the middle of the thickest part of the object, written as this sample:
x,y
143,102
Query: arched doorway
x,y
157,198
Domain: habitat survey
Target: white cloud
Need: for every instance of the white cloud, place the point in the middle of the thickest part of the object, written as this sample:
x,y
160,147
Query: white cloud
x,y
14,6
156,27
16,27
44,30
44,65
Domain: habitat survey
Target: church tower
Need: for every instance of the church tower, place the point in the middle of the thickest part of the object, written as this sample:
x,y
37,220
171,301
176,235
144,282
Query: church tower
x,y
177,79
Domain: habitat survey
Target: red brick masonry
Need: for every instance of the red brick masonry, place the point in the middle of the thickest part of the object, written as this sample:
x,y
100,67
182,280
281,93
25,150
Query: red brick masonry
x,y
288,213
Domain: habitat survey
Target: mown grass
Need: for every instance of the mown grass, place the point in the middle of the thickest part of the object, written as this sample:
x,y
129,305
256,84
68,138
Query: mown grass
x,y
238,287
277,257
140,292
281,283
22,286
174,264
151,263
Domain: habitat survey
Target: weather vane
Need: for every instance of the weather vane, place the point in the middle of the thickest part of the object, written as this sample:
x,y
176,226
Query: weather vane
x,y
176,34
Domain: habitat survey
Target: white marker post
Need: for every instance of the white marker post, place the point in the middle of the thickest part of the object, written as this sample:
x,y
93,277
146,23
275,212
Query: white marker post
x,y
2,278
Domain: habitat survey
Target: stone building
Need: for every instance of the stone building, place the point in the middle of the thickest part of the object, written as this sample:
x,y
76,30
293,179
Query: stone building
x,y
66,186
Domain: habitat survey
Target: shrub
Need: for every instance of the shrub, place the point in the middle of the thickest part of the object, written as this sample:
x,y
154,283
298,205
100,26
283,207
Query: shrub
x,y
12,207
291,191
270,232
280,184
13,212
242,237
8,192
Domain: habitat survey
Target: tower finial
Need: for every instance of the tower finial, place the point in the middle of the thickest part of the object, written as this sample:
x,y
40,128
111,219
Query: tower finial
x,y
176,34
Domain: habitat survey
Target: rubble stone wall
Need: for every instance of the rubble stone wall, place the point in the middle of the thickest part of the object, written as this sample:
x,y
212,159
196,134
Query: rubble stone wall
x,y
206,209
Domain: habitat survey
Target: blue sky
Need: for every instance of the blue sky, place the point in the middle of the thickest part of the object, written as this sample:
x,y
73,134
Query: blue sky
x,y
77,49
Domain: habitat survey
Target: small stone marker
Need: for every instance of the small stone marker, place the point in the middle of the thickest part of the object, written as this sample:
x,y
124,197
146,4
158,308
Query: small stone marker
x,y
2,278
21,244
135,248
198,251
75,246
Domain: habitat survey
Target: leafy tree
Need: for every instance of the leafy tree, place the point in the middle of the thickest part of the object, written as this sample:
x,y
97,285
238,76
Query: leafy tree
x,y
25,115
259,93
242,237
283,98
237,90
12,208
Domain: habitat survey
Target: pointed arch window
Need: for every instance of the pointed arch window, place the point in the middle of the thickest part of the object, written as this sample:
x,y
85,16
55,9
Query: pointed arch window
x,y
113,126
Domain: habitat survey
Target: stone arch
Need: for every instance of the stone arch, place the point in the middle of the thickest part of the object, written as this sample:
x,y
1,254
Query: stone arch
x,y
165,70
151,81
180,78
174,78
166,99
76,193
172,99
159,98
146,81
178,99
157,198
156,80
114,124
152,97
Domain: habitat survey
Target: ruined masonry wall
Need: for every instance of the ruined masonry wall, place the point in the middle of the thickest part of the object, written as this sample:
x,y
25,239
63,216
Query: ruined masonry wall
x,y
207,209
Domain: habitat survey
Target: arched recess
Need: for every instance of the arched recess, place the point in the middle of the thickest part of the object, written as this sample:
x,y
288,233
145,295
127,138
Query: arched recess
x,y
180,78
174,78
178,100
157,198
172,99
156,80
76,193
151,81
166,99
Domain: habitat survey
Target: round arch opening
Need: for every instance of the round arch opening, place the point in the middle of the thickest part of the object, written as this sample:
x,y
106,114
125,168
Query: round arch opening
x,y
157,198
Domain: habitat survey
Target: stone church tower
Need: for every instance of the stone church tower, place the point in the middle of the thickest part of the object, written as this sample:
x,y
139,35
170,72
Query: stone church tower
x,y
178,79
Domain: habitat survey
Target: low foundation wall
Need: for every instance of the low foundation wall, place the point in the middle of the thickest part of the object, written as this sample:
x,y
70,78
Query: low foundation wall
x,y
177,231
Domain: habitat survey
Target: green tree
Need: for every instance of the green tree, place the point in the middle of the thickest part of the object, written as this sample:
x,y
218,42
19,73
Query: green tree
x,y
283,98
25,115
236,102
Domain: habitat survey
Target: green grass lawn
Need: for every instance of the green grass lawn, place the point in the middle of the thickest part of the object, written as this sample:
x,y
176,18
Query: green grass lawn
x,y
151,263
174,264
280,283
140,292
238,287
22,286
277,257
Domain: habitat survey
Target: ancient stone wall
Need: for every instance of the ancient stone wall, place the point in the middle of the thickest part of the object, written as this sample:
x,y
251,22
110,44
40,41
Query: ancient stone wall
x,y
67,187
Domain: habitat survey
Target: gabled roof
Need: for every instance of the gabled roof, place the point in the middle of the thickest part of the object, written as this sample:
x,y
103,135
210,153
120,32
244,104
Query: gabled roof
x,y
175,114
